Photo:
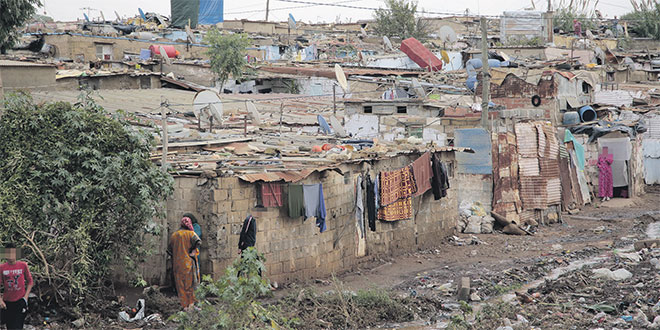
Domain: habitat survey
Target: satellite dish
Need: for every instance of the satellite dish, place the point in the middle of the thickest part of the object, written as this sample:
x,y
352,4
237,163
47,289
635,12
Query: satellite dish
x,y
417,87
292,22
445,56
102,16
387,43
86,17
341,78
336,126
447,34
191,36
363,31
253,114
600,54
207,104
144,18
164,55
118,17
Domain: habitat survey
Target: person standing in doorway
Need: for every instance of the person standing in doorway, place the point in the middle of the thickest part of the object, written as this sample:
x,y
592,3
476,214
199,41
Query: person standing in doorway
x,y
183,248
605,182
17,284
198,230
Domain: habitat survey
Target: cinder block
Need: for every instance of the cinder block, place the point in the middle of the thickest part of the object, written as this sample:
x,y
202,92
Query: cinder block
x,y
220,195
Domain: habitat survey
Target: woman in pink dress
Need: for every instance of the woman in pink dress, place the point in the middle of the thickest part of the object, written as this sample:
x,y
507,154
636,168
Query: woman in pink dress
x,y
605,183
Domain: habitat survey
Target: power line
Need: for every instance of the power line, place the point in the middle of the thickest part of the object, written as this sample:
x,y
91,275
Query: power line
x,y
431,12
291,7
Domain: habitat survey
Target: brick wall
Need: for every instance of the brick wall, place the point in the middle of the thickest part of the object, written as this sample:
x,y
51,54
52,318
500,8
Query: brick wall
x,y
294,249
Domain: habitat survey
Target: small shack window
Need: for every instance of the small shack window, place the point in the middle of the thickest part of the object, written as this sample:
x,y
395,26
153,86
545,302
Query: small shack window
x,y
368,109
586,88
401,109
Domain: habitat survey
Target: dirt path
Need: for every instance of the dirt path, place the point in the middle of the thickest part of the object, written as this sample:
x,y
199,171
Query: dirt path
x,y
500,252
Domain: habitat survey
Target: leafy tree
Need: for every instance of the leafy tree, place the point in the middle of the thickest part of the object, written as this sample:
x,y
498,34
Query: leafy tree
x,y
13,14
399,20
77,191
578,9
645,19
235,305
227,54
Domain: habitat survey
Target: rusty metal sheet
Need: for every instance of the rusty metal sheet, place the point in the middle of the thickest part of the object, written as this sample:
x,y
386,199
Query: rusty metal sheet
x,y
533,192
528,167
553,191
540,139
527,140
549,168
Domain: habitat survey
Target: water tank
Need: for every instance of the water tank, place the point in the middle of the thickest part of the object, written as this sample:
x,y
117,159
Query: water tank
x,y
587,113
571,118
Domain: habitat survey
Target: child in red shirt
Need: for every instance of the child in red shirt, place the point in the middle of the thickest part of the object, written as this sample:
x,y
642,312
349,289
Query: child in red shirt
x,y
17,284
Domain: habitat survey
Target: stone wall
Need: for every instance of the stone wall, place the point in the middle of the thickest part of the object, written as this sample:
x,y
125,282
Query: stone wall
x,y
294,249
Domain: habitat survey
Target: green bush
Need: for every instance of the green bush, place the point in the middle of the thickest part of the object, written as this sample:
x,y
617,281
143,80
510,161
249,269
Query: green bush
x,y
77,191
231,302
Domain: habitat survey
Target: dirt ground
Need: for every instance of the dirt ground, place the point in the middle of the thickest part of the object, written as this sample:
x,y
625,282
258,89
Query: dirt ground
x,y
544,281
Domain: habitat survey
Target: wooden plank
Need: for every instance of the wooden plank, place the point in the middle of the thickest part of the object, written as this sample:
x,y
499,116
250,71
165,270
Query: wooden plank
x,y
204,143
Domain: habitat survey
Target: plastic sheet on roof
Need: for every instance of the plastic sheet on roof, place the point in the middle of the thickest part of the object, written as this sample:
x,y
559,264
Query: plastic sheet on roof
x,y
211,11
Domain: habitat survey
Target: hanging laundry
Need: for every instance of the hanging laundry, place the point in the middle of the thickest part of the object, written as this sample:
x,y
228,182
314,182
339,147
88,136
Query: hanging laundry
x,y
271,194
440,179
359,206
377,191
605,184
399,210
396,185
371,203
314,204
423,173
295,201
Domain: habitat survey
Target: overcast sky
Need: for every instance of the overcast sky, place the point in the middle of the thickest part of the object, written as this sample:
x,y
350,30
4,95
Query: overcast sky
x,y
255,9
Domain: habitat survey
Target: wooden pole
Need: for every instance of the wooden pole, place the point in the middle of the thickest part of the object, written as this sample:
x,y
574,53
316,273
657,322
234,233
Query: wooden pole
x,y
334,100
281,115
267,4
163,114
485,82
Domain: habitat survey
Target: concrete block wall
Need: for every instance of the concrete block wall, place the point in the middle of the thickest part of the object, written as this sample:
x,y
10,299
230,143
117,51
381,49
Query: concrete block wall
x,y
294,248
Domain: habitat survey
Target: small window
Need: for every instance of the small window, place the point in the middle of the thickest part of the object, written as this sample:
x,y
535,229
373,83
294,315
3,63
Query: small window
x,y
368,109
401,109
586,88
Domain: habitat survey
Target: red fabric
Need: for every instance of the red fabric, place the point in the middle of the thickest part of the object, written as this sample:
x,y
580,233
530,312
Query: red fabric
x,y
423,173
187,223
14,279
271,194
605,182
420,54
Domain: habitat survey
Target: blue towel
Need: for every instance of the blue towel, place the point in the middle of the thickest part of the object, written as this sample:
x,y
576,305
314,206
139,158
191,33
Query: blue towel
x,y
314,204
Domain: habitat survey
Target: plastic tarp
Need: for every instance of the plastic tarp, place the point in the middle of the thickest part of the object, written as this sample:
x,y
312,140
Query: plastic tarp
x,y
184,11
210,12
651,153
579,149
479,162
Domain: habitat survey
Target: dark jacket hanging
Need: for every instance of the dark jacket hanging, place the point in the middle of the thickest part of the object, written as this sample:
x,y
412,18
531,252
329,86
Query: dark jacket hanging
x,y
248,233
440,180
371,204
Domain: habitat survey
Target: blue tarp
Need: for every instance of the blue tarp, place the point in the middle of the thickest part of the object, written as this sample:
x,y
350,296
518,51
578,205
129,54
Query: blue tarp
x,y
478,139
211,11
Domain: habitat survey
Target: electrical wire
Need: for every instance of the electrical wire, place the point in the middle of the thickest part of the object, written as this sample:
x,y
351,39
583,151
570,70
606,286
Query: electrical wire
x,y
283,8
432,12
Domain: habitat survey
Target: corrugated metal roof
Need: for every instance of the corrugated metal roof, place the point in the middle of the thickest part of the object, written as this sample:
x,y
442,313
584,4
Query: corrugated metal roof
x,y
286,176
529,166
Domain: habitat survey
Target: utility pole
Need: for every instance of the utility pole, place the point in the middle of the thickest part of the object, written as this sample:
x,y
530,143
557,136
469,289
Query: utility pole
x,y
334,99
485,81
163,113
549,23
267,3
